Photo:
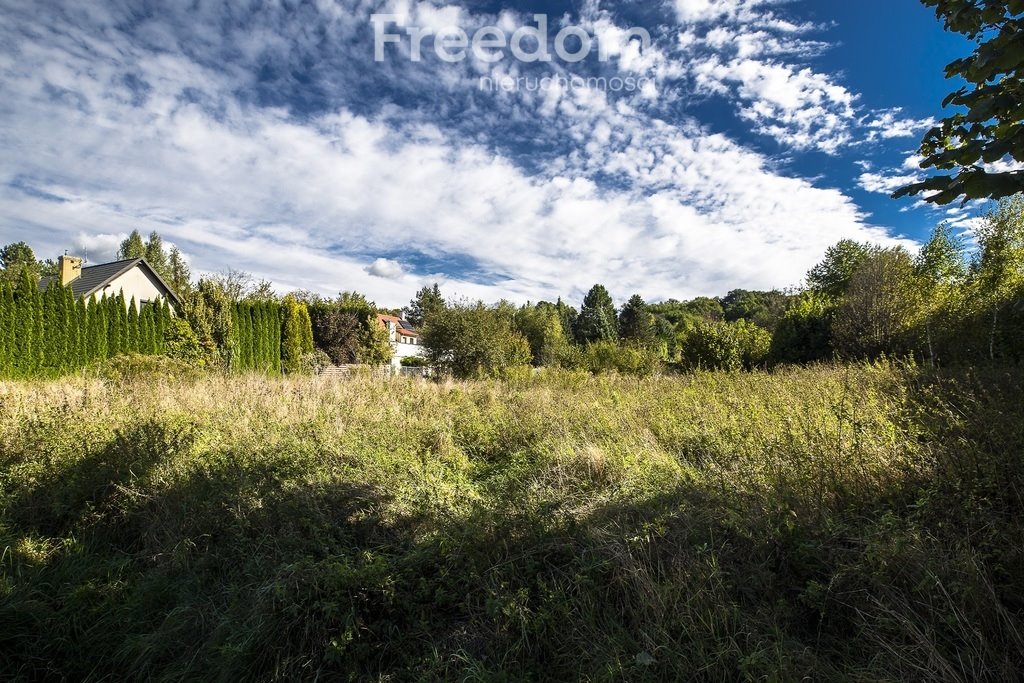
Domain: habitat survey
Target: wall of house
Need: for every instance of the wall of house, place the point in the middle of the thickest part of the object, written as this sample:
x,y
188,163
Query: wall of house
x,y
135,283
405,350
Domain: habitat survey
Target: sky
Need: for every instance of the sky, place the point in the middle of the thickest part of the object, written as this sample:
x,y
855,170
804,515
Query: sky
x,y
287,140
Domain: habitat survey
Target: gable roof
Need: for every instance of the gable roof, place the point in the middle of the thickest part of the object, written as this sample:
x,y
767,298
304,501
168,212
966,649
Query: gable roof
x,y
402,326
95,278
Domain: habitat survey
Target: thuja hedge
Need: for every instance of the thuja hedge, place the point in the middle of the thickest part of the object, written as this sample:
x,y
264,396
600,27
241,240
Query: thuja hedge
x,y
47,332
257,332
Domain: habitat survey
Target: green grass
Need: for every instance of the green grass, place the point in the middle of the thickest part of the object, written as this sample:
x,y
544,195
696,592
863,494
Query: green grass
x,y
835,523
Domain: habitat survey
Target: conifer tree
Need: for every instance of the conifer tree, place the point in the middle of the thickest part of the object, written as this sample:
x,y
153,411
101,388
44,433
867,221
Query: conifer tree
x,y
82,314
53,327
7,322
122,324
163,325
246,337
132,247
149,324
113,310
134,328
27,355
264,349
73,346
98,334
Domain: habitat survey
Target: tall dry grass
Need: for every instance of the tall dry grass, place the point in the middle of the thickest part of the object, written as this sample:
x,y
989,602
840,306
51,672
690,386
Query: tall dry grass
x,y
846,523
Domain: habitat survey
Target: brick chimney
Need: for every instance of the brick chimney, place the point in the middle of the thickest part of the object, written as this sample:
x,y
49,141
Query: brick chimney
x,y
70,268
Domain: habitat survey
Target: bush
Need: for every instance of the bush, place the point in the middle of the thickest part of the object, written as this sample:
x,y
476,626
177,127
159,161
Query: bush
x,y
719,345
182,344
414,362
135,366
804,335
314,362
628,359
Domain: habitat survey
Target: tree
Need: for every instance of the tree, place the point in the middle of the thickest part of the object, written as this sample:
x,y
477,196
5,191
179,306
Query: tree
x,y
471,340
210,311
941,273
765,309
234,285
180,275
999,264
597,320
991,128
17,258
97,344
636,323
374,343
878,312
157,257
426,302
181,342
296,334
832,275
804,335
261,291
542,326
337,334
132,247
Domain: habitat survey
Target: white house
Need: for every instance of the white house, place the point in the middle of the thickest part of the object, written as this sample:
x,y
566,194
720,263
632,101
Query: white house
x,y
134,278
405,341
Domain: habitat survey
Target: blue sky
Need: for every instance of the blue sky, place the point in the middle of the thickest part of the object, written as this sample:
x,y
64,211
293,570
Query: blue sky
x,y
265,137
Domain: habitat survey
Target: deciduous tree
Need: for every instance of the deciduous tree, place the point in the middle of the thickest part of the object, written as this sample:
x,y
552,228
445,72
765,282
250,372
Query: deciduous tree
x,y
988,127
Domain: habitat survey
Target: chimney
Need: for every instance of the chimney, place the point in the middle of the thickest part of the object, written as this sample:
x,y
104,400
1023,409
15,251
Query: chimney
x,y
70,269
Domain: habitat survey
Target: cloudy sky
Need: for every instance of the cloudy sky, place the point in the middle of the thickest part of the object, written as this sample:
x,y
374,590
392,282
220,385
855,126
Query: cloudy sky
x,y
266,136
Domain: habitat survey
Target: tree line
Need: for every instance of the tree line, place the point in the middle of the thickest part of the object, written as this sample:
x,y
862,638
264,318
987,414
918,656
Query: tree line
x,y
949,303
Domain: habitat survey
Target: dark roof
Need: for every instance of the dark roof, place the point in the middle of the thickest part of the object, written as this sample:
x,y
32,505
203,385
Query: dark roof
x,y
95,278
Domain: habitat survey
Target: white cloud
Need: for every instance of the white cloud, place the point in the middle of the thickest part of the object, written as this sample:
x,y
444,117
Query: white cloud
x,y
886,184
385,268
799,108
342,199
890,123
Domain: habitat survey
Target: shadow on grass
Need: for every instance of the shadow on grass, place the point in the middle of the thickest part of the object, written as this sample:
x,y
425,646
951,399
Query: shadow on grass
x,y
242,566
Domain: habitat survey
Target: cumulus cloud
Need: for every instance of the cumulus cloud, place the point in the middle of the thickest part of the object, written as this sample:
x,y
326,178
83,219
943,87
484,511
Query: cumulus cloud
x,y
385,268
380,177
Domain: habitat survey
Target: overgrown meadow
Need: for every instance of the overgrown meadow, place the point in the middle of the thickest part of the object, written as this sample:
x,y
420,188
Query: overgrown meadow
x,y
856,523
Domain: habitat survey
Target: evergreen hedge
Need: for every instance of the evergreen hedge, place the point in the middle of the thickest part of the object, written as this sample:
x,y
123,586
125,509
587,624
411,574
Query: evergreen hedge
x,y
49,332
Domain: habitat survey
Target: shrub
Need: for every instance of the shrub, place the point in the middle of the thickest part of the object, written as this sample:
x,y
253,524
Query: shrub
x,y
719,345
296,334
414,362
181,343
804,334
138,367
314,362
628,359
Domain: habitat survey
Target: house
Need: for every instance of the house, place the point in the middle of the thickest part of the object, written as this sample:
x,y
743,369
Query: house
x,y
405,341
134,278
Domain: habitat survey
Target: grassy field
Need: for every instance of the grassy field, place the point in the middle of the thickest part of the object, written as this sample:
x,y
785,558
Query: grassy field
x,y
835,523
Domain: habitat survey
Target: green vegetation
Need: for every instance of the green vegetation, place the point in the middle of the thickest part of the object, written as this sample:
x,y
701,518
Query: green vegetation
x,y
827,523
987,126
47,333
